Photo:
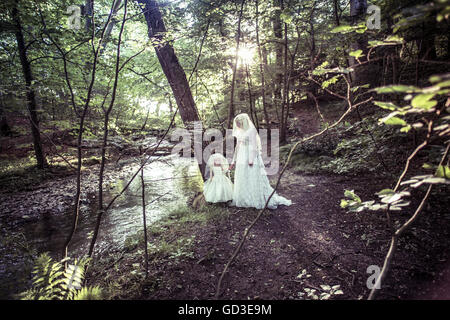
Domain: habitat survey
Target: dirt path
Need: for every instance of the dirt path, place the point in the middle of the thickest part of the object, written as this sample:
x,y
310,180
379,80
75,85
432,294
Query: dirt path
x,y
310,245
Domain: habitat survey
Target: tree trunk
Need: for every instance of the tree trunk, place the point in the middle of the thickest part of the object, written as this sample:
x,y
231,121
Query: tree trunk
x,y
427,46
336,12
285,106
169,62
262,54
111,25
278,33
312,48
366,73
31,97
233,80
5,129
88,13
253,114
171,67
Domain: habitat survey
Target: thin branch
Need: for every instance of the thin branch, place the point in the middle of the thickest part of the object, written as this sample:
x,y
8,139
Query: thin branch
x,y
399,232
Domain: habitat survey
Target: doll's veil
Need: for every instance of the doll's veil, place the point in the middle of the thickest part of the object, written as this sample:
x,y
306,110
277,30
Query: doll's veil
x,y
216,157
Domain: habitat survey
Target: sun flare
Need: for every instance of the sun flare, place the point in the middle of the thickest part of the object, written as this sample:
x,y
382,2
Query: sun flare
x,y
246,55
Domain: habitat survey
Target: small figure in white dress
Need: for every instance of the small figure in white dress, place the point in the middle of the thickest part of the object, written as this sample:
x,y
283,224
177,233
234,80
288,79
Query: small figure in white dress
x,y
218,186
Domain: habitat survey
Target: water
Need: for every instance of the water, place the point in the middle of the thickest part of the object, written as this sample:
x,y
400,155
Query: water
x,y
169,182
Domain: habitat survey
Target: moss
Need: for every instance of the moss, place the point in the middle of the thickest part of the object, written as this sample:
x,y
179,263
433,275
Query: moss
x,y
349,149
167,233
22,174
89,161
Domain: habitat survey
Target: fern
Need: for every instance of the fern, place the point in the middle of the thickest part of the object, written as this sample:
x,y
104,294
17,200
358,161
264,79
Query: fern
x,y
52,282
88,293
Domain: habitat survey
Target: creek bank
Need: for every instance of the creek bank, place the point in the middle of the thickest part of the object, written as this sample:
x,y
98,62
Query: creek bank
x,y
310,250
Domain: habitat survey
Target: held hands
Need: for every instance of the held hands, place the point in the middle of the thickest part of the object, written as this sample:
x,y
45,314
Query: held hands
x,y
231,167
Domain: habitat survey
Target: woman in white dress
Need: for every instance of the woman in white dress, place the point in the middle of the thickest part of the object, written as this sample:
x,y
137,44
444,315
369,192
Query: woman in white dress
x,y
251,185
218,187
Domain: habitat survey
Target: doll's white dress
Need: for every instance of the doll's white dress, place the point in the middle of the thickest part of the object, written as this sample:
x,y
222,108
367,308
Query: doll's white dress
x,y
218,188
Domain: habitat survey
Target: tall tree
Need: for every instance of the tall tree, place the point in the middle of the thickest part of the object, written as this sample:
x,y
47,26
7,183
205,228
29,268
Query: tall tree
x,y
262,64
233,81
171,67
278,33
31,96
169,62
111,25
336,12
364,72
88,13
5,129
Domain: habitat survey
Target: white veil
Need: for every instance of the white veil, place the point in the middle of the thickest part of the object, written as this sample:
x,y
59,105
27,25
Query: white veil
x,y
216,158
246,128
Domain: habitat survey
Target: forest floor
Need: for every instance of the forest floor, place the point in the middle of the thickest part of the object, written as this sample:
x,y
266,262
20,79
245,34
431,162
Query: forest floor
x,y
296,252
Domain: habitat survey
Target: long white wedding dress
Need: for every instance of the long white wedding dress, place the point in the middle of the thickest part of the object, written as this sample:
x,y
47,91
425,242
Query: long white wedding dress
x,y
251,185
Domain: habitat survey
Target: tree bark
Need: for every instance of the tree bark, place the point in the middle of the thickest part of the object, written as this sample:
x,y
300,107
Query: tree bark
x,y
285,105
278,33
31,96
5,129
262,64
88,13
111,25
312,45
233,81
336,12
366,73
169,62
171,67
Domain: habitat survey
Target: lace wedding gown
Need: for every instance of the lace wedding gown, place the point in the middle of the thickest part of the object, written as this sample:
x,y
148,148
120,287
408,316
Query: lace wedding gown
x,y
251,185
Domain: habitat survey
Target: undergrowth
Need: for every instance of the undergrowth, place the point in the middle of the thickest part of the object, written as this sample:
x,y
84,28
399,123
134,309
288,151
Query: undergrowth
x,y
168,243
351,149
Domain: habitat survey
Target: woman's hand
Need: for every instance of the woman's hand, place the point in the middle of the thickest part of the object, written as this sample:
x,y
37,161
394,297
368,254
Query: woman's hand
x,y
231,166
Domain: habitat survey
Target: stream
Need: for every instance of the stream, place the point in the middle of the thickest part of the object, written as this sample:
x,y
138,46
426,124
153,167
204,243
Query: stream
x,y
169,181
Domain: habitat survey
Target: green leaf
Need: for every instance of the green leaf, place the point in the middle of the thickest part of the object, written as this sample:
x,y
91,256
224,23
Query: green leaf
x,y
342,29
336,287
351,194
443,172
427,166
325,287
344,203
286,16
330,81
435,180
385,192
397,89
422,101
406,128
361,30
386,105
392,198
394,39
356,53
393,121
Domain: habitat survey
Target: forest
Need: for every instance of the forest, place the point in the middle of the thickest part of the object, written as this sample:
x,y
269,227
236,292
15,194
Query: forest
x,y
111,112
